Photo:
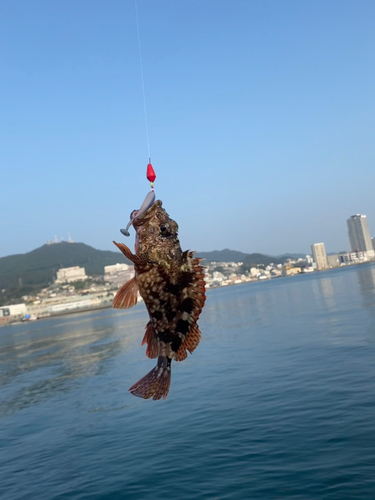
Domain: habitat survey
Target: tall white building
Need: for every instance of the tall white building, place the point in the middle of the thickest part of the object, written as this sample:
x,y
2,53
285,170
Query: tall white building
x,y
68,274
320,255
359,234
115,269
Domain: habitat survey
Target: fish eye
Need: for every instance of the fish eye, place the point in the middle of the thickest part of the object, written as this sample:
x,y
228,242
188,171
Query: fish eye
x,y
165,230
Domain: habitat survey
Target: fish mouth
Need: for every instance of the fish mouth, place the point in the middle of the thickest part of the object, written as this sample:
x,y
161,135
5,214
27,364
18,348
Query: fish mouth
x,y
136,214
140,218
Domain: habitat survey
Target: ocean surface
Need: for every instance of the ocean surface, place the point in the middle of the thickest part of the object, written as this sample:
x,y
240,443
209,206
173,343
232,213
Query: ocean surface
x,y
277,402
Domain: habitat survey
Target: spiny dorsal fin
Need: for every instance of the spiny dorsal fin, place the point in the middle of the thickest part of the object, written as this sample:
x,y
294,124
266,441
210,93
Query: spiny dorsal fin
x,y
197,293
127,296
199,287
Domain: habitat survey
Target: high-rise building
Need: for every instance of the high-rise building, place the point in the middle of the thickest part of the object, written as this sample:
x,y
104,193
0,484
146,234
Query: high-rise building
x,y
359,234
320,255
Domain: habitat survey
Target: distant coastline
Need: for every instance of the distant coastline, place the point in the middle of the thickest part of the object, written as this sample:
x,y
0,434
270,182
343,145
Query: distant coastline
x,y
108,304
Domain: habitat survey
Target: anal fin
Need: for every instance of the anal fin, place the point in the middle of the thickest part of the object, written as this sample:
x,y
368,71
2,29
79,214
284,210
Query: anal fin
x,y
152,341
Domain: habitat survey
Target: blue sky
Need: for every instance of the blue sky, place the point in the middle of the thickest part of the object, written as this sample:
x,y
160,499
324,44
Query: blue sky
x,y
261,120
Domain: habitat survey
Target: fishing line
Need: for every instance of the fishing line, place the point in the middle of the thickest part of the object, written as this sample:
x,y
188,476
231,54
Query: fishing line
x,y
150,172
143,82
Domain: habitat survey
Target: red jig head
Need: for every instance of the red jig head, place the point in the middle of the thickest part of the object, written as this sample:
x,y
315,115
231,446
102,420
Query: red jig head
x,y
151,176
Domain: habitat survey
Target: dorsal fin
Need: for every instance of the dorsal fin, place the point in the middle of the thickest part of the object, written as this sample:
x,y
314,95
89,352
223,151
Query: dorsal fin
x,y
197,293
199,287
190,344
127,295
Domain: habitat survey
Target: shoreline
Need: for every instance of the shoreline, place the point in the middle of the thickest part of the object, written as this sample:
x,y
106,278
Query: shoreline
x,y
110,305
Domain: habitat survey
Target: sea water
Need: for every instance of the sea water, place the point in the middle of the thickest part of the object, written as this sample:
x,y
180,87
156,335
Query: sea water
x,y
277,402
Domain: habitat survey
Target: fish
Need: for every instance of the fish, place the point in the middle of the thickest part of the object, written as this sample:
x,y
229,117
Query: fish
x,y
171,283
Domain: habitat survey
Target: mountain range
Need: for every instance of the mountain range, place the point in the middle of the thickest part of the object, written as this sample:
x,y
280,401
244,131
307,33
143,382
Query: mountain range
x,y
28,273
227,255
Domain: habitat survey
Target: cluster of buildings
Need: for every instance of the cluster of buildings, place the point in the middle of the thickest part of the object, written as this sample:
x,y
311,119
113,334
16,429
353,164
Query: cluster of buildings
x,y
362,246
362,250
233,273
72,290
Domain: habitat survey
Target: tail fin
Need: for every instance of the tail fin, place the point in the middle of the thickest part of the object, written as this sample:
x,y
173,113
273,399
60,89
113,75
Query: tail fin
x,y
156,383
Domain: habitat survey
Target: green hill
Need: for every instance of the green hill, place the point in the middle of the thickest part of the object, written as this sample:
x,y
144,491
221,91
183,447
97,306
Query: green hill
x,y
30,272
227,255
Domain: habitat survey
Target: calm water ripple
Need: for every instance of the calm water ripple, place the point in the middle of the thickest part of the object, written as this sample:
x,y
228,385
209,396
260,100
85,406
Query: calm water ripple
x,y
276,403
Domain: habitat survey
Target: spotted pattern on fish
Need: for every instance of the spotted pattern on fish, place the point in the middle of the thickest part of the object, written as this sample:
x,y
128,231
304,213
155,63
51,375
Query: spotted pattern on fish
x,y
171,283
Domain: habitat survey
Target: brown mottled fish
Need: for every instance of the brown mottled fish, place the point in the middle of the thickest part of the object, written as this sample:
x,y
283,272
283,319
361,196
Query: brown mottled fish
x,y
171,283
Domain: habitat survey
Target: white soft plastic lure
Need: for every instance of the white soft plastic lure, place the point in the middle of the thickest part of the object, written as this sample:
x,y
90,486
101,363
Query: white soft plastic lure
x,y
148,202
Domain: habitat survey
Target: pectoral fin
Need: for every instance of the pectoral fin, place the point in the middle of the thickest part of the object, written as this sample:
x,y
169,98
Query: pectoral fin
x,y
127,296
128,253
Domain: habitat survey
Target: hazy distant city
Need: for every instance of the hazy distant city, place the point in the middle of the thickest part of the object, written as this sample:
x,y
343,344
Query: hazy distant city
x,y
73,290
